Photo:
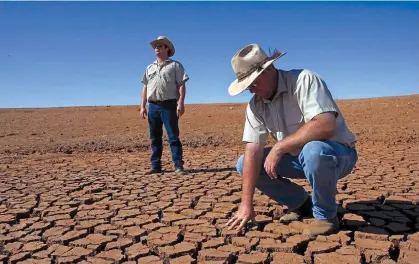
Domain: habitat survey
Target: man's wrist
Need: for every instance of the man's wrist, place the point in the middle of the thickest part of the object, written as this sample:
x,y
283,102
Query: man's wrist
x,y
247,204
247,201
279,148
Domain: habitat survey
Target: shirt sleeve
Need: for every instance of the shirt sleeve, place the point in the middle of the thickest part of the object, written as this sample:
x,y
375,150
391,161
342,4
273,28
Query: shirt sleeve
x,y
254,129
181,75
313,96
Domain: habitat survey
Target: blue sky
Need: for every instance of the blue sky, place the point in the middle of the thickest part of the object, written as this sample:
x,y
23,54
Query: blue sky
x,y
94,53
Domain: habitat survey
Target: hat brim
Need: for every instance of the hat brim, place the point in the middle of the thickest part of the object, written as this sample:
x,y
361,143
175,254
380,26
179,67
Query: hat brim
x,y
165,42
237,87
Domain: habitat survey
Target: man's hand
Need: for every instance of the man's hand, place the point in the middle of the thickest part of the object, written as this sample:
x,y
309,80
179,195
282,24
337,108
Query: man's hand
x,y
272,160
243,215
143,112
180,109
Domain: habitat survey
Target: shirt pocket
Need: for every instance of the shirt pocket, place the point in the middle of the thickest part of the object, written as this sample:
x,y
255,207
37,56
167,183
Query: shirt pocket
x,y
294,119
169,73
152,74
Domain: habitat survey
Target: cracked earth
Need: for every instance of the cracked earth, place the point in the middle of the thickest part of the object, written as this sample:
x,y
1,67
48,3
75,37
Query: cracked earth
x,y
97,206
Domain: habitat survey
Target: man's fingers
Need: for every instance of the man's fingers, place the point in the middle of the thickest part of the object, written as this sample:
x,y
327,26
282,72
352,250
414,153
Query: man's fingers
x,y
269,171
143,113
253,219
231,220
273,176
230,223
273,173
243,222
237,220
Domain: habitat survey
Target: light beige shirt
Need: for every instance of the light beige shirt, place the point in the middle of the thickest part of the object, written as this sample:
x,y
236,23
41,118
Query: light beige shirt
x,y
163,81
300,96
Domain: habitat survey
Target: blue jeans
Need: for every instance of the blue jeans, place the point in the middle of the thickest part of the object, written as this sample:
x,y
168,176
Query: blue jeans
x,y
159,114
322,163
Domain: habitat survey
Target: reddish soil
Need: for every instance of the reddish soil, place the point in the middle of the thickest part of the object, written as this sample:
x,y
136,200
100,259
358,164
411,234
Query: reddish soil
x,y
72,190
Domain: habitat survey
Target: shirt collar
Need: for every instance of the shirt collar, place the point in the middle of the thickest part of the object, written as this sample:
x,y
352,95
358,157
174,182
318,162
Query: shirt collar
x,y
281,88
167,60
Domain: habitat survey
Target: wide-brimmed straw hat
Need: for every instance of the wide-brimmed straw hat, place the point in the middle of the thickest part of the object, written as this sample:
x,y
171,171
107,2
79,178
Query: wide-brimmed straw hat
x,y
165,41
248,63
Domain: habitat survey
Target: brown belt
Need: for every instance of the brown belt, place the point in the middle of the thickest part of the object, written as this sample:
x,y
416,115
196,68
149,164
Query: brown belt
x,y
163,102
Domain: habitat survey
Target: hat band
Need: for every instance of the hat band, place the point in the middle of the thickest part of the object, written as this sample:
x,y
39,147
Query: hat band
x,y
258,66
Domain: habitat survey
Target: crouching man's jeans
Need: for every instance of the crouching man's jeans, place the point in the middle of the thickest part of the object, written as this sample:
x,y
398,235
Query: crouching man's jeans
x,y
322,163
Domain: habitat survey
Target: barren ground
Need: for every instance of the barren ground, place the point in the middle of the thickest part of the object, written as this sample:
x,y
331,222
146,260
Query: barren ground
x,y
72,190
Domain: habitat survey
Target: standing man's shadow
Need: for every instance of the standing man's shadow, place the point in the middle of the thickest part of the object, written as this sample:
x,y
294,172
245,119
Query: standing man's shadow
x,y
209,170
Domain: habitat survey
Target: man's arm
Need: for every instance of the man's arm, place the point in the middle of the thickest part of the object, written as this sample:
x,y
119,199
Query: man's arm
x,y
143,110
255,134
181,101
182,93
320,113
144,96
321,127
251,171
181,79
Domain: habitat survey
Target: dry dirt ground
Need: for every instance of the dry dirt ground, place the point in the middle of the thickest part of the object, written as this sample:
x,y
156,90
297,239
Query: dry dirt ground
x,y
72,190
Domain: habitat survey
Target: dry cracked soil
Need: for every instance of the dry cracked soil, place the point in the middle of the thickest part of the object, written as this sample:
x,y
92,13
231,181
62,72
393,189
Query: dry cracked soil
x,y
73,190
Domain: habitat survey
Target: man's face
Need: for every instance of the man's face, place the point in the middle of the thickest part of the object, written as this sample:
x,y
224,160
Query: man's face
x,y
262,86
160,49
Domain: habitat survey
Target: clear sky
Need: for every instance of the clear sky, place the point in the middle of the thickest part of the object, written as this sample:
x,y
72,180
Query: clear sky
x,y
94,53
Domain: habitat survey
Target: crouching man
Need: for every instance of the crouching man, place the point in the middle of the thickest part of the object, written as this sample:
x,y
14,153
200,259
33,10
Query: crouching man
x,y
312,141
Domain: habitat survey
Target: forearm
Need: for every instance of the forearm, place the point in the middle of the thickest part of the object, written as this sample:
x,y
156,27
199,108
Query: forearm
x,y
251,171
182,93
144,96
321,127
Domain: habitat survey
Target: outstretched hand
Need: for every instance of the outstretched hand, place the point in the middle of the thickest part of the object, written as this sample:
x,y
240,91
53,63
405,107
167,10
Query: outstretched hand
x,y
243,215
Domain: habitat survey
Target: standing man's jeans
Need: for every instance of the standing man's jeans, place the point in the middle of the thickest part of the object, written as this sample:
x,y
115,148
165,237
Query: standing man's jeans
x,y
322,163
159,114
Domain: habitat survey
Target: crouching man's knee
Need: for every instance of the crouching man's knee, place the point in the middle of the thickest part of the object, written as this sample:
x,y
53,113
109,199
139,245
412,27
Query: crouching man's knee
x,y
316,155
239,165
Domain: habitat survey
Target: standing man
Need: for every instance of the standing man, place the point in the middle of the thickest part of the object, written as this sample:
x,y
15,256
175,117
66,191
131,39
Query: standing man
x,y
164,89
312,141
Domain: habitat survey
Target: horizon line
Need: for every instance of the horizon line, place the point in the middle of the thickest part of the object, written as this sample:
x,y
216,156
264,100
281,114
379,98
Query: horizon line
x,y
213,103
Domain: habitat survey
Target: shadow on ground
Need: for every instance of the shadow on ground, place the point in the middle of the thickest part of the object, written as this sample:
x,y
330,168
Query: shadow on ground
x,y
384,216
206,170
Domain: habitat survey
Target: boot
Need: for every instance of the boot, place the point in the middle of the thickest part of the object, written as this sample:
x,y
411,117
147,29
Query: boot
x,y
180,171
304,210
153,171
322,227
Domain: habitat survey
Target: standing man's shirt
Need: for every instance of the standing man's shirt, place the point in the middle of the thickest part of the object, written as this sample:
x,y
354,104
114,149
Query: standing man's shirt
x,y
163,81
300,96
